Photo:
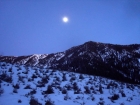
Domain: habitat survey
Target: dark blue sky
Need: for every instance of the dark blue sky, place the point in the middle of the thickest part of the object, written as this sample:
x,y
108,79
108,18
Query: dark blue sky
x,y
36,26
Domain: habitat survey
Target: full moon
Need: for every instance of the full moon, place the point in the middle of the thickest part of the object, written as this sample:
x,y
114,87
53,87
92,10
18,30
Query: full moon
x,y
65,19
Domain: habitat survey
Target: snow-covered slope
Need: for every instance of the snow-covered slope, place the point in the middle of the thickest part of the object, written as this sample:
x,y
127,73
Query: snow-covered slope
x,y
119,62
28,85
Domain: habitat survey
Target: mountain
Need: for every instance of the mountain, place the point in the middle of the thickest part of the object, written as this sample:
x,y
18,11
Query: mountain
x,y
119,62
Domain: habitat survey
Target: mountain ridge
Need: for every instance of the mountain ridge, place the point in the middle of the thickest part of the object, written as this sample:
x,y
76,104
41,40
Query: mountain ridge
x,y
119,62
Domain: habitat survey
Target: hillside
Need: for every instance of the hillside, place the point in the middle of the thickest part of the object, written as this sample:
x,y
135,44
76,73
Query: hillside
x,y
28,85
119,62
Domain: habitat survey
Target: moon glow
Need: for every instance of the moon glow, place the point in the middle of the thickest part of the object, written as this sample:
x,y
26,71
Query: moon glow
x,y
65,19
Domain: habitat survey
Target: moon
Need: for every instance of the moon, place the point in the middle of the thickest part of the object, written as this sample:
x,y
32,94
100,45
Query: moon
x,y
65,19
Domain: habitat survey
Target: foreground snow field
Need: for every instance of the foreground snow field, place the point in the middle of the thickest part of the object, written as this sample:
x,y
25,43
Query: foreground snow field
x,y
25,85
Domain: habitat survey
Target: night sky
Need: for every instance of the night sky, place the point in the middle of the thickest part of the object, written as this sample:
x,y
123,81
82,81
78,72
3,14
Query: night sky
x,y
36,26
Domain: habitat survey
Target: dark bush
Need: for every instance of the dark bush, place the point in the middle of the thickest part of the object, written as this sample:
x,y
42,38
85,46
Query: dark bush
x,y
115,97
10,70
78,91
16,86
68,87
26,72
18,68
19,101
113,84
122,104
41,85
6,77
49,90
64,77
91,88
34,102
21,78
64,91
101,103
81,76
72,79
108,86
3,64
75,86
34,76
87,90
45,79
93,98
49,102
15,90
58,79
33,92
1,91
101,98
123,94
28,87
100,89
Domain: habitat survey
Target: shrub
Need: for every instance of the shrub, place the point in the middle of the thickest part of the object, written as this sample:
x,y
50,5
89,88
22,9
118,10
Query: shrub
x,y
49,90
20,78
64,91
64,77
49,102
91,88
34,102
129,99
115,97
15,90
10,70
34,76
75,86
81,76
101,98
1,91
93,98
8,79
78,97
78,91
16,86
58,79
112,84
123,94
41,85
67,97
28,87
94,91
68,87
101,103
19,101
5,77
30,79
108,86
87,90
26,72
72,79
33,92
18,68
122,104
100,89
45,79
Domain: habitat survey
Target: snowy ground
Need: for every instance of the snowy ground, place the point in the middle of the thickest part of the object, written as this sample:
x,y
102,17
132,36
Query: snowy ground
x,y
22,85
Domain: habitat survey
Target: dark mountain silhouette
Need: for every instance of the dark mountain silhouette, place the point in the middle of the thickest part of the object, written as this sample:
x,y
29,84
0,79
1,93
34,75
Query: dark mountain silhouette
x,y
119,62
